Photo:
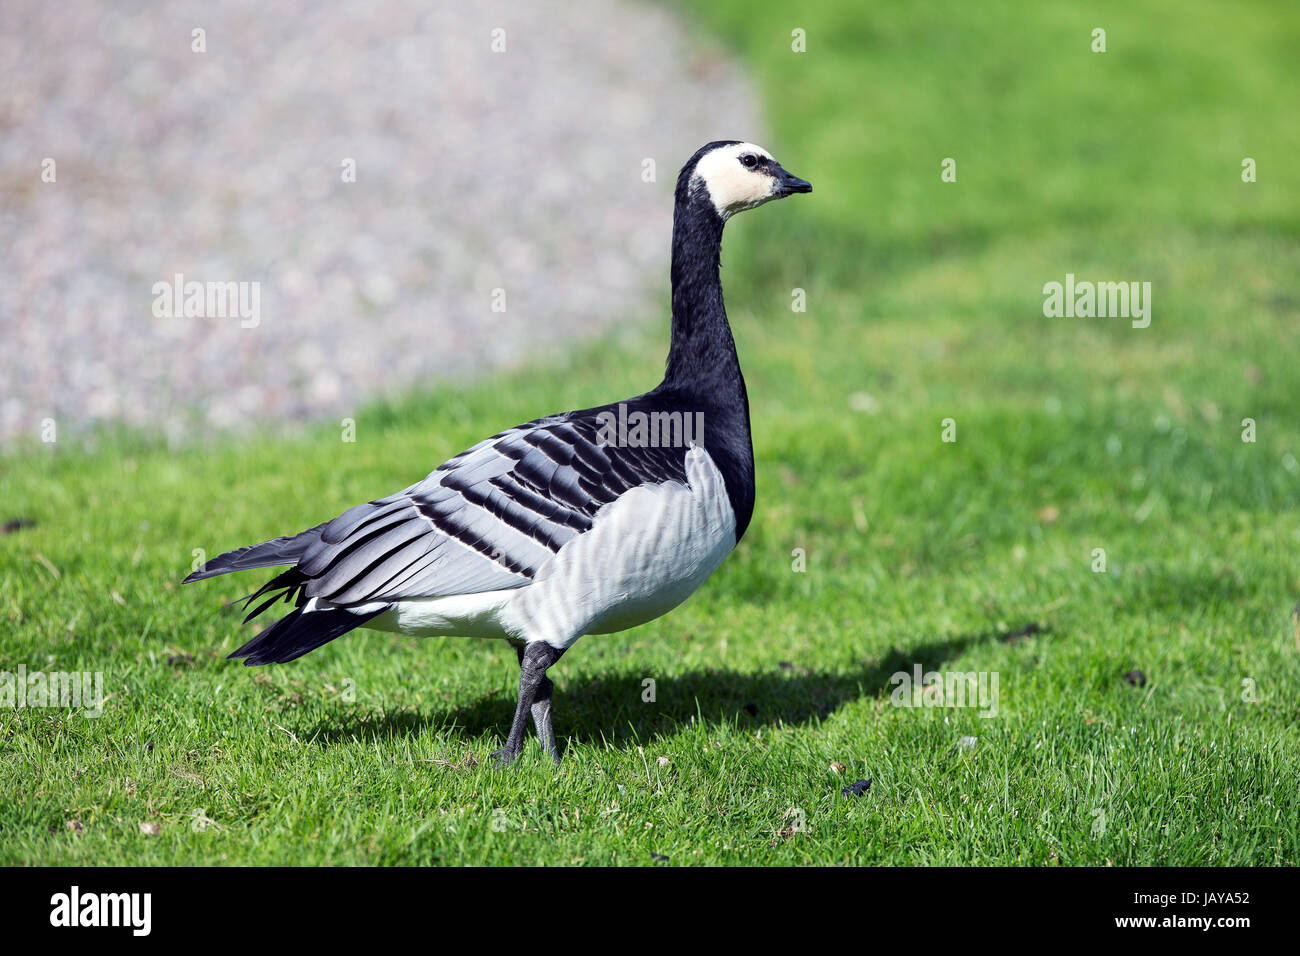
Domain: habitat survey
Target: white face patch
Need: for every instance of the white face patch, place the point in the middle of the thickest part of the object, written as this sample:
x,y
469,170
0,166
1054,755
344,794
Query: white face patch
x,y
731,187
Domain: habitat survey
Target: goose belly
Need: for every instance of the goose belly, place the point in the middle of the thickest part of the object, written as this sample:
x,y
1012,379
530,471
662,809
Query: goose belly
x,y
460,615
646,553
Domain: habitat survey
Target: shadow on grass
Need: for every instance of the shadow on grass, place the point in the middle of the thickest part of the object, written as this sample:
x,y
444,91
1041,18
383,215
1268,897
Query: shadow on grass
x,y
610,707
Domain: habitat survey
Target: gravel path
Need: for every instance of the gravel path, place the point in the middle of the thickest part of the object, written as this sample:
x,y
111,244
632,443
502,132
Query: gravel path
x,y
475,171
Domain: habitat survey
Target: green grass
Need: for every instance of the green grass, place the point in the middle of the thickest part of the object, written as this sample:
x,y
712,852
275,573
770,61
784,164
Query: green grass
x,y
924,303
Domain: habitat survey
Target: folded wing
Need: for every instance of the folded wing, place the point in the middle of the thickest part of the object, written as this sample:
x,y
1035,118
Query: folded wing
x,y
488,519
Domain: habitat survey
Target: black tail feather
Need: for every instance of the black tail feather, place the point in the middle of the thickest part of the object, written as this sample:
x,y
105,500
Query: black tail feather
x,y
293,582
285,550
300,632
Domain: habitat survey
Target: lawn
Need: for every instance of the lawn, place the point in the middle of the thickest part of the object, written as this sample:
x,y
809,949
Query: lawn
x,y
1098,514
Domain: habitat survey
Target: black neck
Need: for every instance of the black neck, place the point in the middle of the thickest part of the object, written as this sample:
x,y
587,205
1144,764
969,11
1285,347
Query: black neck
x,y
703,371
702,357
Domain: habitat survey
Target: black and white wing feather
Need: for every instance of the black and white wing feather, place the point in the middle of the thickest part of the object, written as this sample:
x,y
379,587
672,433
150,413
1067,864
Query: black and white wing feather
x,y
488,519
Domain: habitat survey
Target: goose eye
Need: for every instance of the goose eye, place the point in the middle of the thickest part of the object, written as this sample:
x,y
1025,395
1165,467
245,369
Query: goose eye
x,y
749,160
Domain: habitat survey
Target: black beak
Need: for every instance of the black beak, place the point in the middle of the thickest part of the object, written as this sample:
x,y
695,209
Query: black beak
x,y
787,184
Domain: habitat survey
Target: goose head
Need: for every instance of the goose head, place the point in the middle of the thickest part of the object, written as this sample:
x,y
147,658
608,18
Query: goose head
x,y
733,176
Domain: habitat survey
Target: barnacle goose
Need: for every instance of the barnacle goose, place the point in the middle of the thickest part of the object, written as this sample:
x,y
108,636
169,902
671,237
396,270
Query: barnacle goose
x,y
567,525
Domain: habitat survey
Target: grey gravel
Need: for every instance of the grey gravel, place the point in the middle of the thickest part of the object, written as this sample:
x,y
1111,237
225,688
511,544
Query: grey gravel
x,y
475,171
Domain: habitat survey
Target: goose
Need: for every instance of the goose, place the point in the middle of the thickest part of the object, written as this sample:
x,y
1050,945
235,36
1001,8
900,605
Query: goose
x,y
568,525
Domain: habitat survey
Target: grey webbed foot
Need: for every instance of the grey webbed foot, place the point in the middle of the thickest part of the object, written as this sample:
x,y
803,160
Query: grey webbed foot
x,y
503,758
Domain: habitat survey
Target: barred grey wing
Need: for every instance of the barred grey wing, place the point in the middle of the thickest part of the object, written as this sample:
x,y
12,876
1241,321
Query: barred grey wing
x,y
488,519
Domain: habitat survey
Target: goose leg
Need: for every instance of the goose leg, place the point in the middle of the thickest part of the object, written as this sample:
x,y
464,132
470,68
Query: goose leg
x,y
541,710
542,718
535,690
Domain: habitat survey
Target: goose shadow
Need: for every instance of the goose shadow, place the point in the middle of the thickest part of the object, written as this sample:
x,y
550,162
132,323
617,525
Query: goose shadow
x,y
612,708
